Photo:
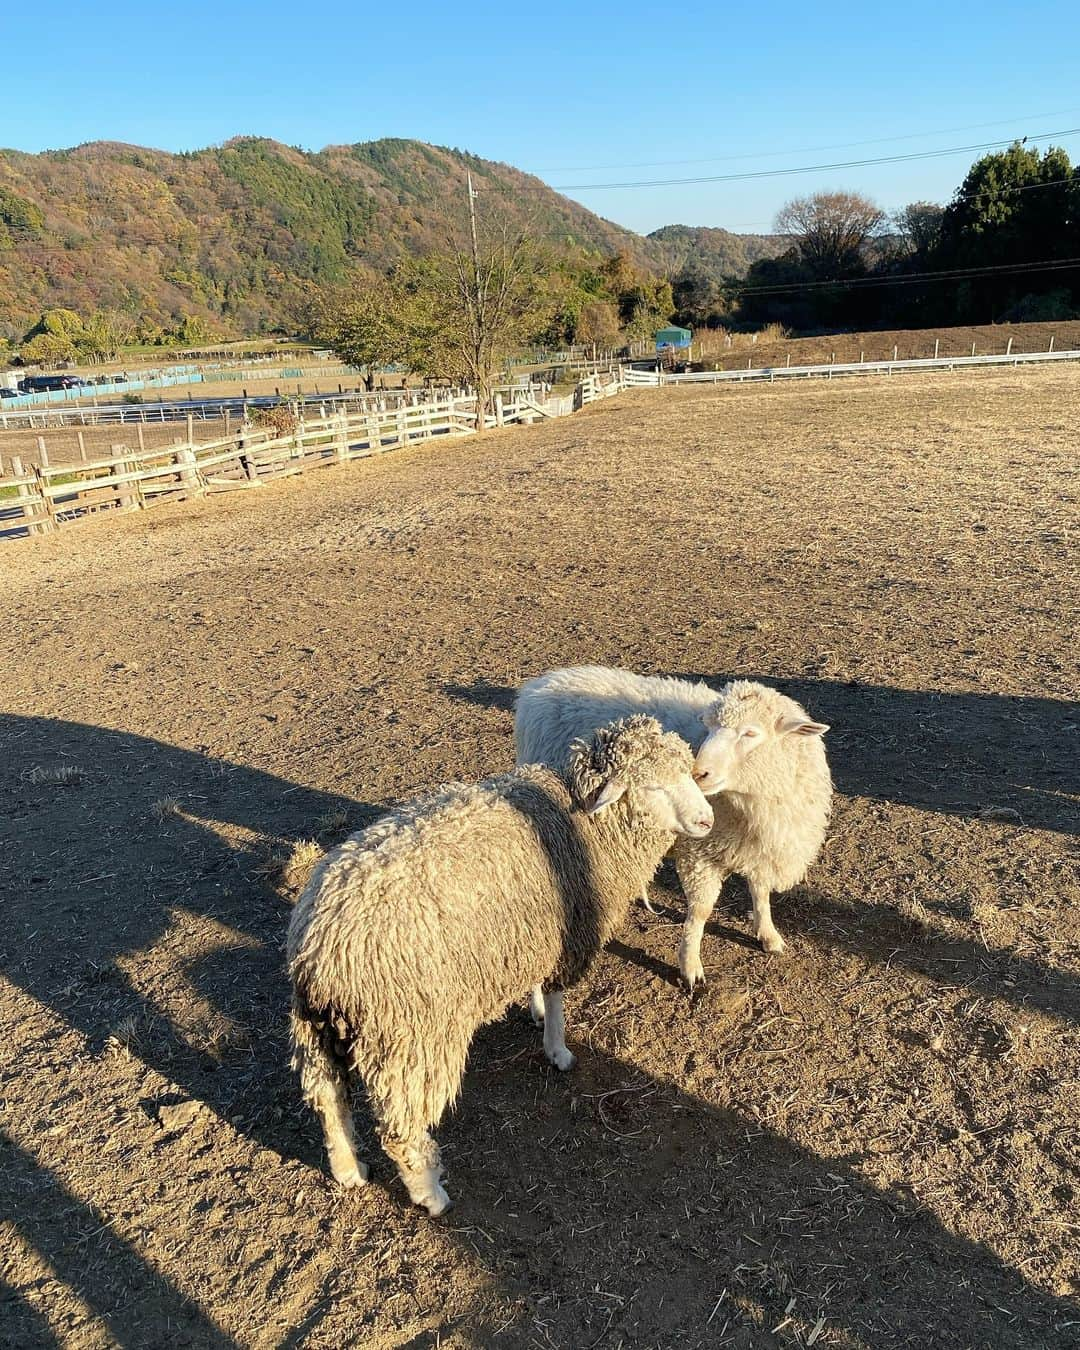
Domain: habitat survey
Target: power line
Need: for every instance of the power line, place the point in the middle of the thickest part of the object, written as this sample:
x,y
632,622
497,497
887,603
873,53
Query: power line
x,y
811,168
811,150
913,278
992,193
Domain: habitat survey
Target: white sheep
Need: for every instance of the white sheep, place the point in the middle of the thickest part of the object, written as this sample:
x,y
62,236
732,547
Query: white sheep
x,y
418,930
759,757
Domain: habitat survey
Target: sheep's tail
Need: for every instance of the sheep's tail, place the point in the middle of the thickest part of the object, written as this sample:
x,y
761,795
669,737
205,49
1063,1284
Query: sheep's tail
x,y
322,1045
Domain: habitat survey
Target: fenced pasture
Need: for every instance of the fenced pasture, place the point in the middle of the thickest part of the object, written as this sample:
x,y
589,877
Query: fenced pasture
x,y
772,346
869,1142
39,497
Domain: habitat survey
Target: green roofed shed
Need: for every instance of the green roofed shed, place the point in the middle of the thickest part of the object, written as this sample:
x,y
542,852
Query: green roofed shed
x,y
673,337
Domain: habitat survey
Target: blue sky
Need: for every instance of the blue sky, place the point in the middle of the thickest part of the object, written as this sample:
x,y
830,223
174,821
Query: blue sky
x,y
558,88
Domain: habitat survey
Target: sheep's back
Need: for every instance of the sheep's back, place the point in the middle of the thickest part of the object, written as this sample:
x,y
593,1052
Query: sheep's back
x,y
560,706
467,895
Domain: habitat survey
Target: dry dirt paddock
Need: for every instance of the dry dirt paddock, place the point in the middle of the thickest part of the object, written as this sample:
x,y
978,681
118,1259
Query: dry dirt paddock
x,y
870,1142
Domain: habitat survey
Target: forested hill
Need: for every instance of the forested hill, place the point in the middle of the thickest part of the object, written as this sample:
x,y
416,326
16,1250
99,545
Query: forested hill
x,y
236,232
713,253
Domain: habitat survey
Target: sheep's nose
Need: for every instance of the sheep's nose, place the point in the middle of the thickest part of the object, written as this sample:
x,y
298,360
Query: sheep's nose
x,y
705,823
700,775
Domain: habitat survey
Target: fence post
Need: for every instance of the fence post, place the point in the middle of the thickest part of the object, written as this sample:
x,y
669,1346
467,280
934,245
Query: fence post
x,y
1051,347
34,522
41,477
189,471
342,437
895,350
1008,348
128,495
937,346
247,463
499,414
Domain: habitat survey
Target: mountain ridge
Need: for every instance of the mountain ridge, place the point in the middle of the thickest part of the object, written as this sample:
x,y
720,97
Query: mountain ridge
x,y
239,232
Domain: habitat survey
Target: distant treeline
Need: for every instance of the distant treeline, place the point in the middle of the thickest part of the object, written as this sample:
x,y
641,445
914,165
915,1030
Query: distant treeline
x,y
1006,248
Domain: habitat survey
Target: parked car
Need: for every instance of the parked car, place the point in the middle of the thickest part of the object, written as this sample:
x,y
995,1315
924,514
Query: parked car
x,y
6,392
39,384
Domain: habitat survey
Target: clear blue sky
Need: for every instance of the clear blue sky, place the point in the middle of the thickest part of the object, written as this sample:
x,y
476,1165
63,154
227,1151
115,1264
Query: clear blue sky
x,y
554,86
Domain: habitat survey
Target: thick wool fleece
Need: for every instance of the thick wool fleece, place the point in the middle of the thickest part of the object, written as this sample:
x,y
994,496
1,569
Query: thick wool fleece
x,y
415,932
769,825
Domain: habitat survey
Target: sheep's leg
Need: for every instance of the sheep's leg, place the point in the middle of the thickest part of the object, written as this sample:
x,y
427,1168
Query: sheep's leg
x,y
324,1087
645,899
536,1004
764,931
420,1168
701,885
555,1031
331,1102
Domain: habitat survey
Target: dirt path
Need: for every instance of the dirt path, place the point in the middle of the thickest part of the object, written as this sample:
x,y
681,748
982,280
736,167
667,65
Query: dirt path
x,y
875,1135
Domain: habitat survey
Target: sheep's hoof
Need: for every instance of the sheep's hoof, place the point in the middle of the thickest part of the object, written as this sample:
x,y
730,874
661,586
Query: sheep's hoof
x,y
693,977
562,1059
438,1202
773,943
350,1177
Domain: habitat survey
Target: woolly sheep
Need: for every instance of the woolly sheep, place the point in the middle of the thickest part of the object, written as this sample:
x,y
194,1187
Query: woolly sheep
x,y
416,931
759,757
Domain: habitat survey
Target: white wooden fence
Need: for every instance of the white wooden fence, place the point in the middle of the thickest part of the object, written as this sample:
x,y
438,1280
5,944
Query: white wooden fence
x,y
42,497
651,377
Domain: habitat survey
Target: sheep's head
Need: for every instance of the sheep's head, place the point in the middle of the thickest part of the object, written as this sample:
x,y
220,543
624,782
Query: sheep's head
x,y
651,770
744,722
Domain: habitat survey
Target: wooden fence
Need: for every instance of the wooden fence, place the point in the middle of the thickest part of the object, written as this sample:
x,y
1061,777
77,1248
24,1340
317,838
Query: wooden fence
x,y
44,498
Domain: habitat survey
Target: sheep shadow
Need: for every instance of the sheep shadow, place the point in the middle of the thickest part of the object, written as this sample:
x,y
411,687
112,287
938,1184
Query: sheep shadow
x,y
618,1208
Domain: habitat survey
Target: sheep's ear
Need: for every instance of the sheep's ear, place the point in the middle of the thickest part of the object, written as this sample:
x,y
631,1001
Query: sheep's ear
x,y
799,726
607,796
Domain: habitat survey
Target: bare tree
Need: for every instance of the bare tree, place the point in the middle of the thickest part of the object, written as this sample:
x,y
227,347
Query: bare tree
x,y
831,230
466,311
919,226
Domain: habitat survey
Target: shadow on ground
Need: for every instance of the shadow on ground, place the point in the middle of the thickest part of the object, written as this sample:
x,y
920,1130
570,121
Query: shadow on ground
x,y
608,1207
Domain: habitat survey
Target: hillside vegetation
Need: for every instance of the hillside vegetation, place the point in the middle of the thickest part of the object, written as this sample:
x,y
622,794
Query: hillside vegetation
x,y
240,233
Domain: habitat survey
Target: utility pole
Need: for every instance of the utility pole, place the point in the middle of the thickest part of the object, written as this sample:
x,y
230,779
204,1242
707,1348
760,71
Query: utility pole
x,y
477,307
472,224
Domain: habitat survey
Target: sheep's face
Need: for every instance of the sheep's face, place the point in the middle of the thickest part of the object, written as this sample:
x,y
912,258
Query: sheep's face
x,y
652,770
674,808
742,724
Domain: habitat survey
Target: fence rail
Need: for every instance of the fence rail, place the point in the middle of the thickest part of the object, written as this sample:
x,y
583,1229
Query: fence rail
x,y
44,498
647,377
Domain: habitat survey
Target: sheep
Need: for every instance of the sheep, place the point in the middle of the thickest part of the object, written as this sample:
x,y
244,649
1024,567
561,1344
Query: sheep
x,y
418,930
759,757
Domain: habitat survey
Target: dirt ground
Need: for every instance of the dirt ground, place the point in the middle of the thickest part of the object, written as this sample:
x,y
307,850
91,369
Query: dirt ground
x,y
868,1142
911,344
63,447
